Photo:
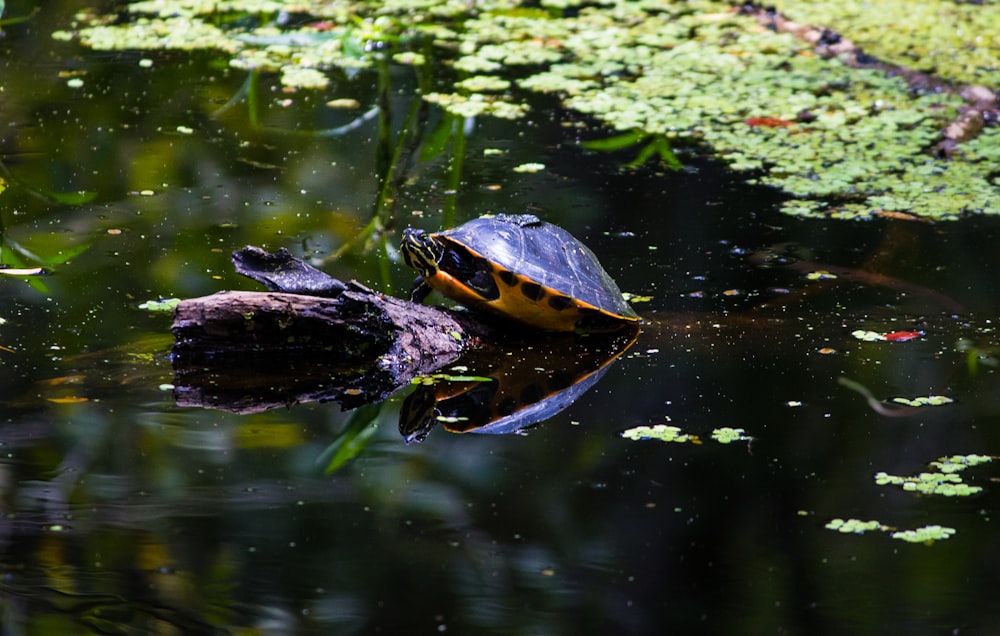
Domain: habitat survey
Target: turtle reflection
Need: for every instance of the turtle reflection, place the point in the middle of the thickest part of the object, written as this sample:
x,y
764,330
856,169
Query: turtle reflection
x,y
512,389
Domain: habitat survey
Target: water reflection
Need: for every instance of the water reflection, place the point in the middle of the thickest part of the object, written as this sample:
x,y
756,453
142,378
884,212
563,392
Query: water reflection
x,y
511,388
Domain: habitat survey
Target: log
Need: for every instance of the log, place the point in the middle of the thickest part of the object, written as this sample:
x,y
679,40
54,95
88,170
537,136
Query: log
x,y
248,351
360,326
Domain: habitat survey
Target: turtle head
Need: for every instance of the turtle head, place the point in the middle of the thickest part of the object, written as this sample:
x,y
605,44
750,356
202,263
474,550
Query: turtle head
x,y
421,251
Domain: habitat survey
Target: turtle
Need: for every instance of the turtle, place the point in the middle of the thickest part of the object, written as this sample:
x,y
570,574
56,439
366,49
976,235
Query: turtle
x,y
520,268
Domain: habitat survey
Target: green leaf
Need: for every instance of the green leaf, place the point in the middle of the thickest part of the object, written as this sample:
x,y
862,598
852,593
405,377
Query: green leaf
x,y
360,427
72,198
660,148
11,258
618,142
439,138
63,255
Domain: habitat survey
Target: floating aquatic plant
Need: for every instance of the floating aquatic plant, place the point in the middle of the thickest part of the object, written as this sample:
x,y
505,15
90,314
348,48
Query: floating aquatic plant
x,y
943,481
726,435
854,526
926,534
942,484
840,141
669,433
662,432
928,400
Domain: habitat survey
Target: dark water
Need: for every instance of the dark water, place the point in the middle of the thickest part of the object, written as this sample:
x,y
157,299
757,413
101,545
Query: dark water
x,y
121,512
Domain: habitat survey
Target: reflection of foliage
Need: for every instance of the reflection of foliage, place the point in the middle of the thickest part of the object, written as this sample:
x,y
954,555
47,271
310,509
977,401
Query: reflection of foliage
x,y
16,19
353,438
976,355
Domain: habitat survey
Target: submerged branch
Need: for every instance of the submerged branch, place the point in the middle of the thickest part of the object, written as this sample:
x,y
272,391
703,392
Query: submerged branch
x,y
982,104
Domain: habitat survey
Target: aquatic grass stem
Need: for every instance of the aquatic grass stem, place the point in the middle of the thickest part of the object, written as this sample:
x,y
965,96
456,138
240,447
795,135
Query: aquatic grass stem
x,y
455,164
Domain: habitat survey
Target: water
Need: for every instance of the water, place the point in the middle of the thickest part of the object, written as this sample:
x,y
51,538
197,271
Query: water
x,y
125,513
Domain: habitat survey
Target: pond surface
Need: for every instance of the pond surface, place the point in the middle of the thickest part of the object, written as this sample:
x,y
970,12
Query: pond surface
x,y
123,512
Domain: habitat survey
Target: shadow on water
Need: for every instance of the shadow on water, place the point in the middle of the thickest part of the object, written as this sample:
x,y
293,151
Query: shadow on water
x,y
122,511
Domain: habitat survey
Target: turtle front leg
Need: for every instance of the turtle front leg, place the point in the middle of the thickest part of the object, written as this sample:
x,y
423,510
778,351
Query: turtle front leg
x,y
420,290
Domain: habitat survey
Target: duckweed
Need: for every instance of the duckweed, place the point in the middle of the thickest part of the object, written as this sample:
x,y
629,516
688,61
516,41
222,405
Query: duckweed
x,y
943,481
726,435
854,526
662,432
841,142
926,534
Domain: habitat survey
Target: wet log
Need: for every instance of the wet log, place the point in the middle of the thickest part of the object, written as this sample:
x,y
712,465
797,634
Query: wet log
x,y
325,340
308,311
359,327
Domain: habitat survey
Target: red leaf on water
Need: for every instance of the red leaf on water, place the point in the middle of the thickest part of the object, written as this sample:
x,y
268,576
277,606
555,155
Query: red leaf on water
x,y
903,336
768,122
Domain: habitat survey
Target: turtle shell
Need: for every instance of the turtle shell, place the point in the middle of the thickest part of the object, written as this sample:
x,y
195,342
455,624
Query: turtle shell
x,y
530,271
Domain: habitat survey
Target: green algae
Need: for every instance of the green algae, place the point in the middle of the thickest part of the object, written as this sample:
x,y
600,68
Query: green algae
x,y
696,76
